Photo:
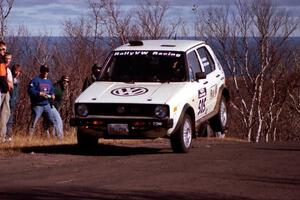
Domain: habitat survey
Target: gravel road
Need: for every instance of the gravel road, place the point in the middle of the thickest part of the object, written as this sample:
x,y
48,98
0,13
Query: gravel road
x,y
213,169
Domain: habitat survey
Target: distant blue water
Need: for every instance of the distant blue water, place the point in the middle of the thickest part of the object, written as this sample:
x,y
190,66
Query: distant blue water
x,y
62,40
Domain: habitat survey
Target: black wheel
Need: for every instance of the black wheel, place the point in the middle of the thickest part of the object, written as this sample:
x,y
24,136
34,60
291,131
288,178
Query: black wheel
x,y
219,122
181,141
86,141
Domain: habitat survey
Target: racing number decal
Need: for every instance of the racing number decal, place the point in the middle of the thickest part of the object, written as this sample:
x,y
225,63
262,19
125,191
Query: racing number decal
x,y
202,100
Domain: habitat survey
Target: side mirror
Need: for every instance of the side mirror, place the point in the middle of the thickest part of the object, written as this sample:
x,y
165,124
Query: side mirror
x,y
200,75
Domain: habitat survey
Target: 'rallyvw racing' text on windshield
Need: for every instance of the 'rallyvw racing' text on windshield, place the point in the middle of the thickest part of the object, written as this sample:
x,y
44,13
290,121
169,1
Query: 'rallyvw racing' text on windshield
x,y
145,53
145,66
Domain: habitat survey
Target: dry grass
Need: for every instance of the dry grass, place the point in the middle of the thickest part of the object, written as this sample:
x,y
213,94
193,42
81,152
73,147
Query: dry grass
x,y
21,141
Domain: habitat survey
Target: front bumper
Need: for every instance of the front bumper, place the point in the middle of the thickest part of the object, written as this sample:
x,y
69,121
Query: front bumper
x,y
137,127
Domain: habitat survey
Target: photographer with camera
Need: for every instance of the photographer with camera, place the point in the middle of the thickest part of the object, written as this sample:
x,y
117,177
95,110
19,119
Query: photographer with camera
x,y
59,90
41,93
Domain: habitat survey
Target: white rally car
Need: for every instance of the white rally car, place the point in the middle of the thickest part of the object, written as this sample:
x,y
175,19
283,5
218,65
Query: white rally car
x,y
154,88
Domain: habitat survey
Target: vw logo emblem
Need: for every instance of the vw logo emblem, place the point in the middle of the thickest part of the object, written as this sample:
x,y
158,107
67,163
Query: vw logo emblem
x,y
129,91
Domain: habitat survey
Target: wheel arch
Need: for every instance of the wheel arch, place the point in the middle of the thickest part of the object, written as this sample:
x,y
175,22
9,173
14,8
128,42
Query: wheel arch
x,y
225,93
187,109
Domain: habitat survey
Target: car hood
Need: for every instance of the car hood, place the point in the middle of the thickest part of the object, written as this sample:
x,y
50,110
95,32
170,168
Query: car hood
x,y
118,92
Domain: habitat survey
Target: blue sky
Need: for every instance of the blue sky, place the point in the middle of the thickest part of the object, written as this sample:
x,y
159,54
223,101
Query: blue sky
x,y
47,15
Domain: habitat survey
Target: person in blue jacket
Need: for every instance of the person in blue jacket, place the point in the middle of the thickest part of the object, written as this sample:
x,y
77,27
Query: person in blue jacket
x,y
41,93
59,92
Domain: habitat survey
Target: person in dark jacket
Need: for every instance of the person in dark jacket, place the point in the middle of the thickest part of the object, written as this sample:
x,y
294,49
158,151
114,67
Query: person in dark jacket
x,y
41,93
14,99
59,91
95,76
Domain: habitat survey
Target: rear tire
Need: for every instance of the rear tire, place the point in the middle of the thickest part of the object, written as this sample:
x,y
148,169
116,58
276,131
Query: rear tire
x,y
219,122
86,141
181,140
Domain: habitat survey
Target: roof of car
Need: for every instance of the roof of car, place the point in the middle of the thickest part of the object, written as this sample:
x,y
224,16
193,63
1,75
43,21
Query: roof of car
x,y
160,45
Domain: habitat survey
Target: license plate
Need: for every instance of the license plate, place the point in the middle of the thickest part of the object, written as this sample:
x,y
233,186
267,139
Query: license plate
x,y
118,129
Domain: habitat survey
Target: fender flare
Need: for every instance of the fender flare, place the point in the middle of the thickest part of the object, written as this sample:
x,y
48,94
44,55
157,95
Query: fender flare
x,y
187,108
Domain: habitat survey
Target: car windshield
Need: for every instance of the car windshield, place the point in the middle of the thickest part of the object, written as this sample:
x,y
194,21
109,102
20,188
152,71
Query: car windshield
x,y
145,66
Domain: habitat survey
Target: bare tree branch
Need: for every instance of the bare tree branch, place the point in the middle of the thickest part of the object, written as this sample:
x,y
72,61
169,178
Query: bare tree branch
x,y
5,8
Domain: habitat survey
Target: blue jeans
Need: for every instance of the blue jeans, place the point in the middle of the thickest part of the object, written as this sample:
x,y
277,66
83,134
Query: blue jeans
x,y
13,101
58,124
51,114
10,123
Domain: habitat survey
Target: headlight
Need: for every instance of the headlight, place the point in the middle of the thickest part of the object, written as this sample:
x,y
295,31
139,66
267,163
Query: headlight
x,y
161,111
82,110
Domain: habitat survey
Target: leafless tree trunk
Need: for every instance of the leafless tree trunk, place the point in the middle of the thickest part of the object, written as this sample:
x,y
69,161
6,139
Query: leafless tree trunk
x,y
293,89
253,57
78,56
118,24
270,23
295,101
152,18
114,24
5,8
96,23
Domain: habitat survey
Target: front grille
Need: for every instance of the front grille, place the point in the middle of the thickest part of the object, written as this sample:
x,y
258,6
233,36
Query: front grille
x,y
146,110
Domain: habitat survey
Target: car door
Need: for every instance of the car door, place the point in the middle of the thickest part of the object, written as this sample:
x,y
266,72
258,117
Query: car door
x,y
199,86
212,75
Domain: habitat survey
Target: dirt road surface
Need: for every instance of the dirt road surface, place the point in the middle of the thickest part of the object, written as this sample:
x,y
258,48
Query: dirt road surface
x,y
213,169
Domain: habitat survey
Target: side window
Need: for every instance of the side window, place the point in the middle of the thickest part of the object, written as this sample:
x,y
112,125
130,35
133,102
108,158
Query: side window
x,y
206,60
193,63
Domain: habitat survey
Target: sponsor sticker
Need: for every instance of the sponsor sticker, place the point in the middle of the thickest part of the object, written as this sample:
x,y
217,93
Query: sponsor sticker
x,y
213,91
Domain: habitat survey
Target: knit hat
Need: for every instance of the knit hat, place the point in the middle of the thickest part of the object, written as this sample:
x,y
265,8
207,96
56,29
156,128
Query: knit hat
x,y
44,68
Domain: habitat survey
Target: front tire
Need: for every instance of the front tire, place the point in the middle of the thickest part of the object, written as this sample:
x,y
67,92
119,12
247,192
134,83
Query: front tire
x,y
181,140
86,141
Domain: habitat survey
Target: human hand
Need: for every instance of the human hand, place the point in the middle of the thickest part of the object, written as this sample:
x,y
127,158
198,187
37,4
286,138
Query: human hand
x,y
43,94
